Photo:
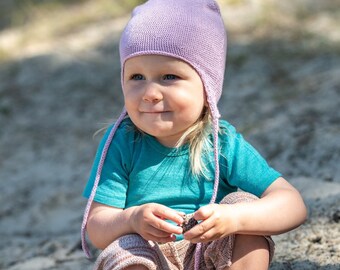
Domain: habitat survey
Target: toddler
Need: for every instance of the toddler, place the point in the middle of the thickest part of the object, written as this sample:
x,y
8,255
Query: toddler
x,y
169,157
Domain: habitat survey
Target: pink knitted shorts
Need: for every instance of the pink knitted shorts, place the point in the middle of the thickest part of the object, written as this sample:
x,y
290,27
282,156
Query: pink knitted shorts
x,y
132,249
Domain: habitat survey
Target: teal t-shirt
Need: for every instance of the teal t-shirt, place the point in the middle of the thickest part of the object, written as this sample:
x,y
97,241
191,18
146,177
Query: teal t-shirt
x,y
138,170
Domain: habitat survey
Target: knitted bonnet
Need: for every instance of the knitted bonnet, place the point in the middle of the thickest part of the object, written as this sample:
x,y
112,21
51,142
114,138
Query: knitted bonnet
x,y
190,30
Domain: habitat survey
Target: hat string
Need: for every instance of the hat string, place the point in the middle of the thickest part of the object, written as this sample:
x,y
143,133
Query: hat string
x,y
96,182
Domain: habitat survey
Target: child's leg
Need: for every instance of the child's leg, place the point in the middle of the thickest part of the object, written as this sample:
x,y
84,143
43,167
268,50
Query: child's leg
x,y
131,252
239,251
250,252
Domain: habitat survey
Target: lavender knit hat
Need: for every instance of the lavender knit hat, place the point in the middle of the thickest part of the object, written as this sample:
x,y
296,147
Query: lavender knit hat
x,y
191,30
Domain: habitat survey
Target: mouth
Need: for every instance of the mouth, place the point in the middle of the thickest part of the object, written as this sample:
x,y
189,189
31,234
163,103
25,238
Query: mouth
x,y
155,112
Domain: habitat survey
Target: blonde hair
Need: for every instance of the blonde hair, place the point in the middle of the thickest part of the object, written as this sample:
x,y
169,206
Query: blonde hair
x,y
197,136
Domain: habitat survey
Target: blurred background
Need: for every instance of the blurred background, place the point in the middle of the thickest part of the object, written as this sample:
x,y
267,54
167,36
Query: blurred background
x,y
59,84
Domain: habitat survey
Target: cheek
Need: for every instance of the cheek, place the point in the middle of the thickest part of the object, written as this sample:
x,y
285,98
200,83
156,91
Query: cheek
x,y
190,110
130,98
131,108
190,101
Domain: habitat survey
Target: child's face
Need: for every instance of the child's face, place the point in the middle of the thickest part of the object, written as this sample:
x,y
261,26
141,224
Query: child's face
x,y
163,95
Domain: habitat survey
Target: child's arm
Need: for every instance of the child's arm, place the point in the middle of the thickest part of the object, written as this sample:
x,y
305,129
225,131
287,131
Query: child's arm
x,y
279,210
106,223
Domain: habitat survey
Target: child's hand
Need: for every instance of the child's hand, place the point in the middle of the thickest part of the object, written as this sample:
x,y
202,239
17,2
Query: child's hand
x,y
217,221
148,220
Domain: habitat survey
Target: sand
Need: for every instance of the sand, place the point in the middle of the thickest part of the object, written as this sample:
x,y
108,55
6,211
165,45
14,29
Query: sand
x,y
281,92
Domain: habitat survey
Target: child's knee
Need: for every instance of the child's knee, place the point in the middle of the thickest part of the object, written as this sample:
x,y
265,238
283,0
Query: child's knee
x,y
251,251
130,252
237,197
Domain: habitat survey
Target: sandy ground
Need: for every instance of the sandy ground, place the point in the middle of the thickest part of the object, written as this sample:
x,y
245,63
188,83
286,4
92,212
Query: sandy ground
x,y
281,92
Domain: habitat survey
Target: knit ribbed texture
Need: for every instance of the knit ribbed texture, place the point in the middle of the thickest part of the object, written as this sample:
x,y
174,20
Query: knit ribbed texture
x,y
190,30
132,249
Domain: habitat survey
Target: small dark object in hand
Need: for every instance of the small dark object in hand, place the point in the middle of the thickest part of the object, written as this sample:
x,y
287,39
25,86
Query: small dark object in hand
x,y
188,222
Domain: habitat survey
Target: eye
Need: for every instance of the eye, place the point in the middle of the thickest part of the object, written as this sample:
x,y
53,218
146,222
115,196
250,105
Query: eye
x,y
170,77
137,77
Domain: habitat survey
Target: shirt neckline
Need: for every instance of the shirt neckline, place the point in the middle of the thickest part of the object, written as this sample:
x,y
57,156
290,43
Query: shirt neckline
x,y
167,151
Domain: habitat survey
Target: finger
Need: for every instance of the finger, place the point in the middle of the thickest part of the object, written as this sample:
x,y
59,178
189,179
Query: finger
x,y
167,213
156,232
170,238
198,230
208,236
204,212
165,226
202,239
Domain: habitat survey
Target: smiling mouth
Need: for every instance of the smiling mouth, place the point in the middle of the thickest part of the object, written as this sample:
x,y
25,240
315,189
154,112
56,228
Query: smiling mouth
x,y
156,112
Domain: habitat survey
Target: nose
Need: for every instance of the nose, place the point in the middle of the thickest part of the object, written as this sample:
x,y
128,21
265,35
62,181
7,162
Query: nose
x,y
152,93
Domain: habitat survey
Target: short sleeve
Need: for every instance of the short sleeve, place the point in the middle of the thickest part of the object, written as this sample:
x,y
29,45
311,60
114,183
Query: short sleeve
x,y
113,183
245,167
